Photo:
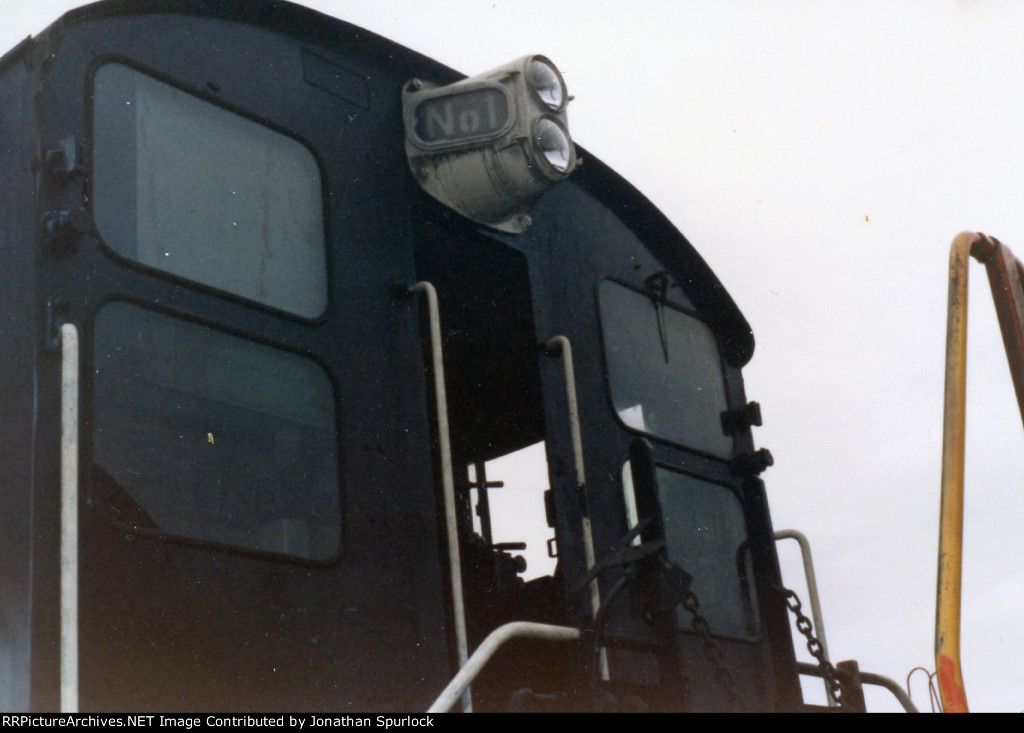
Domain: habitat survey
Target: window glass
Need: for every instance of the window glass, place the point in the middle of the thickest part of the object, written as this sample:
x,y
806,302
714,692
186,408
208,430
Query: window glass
x,y
705,535
204,435
664,370
191,189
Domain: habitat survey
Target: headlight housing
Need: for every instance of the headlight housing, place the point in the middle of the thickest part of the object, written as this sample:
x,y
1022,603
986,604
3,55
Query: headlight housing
x,y
489,146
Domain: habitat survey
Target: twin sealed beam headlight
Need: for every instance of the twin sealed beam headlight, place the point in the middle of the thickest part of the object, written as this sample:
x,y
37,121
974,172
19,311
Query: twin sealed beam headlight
x,y
490,145
547,83
553,141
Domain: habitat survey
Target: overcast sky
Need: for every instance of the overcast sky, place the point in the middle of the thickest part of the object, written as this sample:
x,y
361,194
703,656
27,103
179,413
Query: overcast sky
x,y
821,155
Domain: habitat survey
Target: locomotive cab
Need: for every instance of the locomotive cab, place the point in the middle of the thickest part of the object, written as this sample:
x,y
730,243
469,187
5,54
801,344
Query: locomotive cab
x,y
222,269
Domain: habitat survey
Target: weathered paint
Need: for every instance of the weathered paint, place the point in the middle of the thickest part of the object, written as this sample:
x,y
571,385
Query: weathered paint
x,y
947,601
951,685
1005,276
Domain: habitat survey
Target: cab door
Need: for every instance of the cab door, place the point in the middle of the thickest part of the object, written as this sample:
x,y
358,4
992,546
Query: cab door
x,y
655,351
257,530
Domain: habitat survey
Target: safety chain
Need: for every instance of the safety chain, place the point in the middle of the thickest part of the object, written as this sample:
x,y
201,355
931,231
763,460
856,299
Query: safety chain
x,y
712,651
805,627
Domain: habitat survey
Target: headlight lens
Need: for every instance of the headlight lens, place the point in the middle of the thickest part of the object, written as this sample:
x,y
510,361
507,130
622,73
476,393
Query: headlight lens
x,y
554,143
547,83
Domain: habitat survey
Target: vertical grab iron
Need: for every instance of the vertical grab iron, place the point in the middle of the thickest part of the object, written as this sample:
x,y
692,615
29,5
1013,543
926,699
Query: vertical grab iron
x,y
69,519
447,480
560,345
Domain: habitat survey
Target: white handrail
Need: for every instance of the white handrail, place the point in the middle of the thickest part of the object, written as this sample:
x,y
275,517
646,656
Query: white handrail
x,y
562,346
447,480
812,592
494,641
69,519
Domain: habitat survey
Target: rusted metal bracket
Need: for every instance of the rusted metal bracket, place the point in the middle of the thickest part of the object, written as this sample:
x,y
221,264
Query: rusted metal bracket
x,y
1006,278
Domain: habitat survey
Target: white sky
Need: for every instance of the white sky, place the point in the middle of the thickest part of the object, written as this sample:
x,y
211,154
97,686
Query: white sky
x,y
821,155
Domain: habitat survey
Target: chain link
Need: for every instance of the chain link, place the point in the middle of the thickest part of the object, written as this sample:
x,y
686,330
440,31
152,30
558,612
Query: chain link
x,y
712,651
805,627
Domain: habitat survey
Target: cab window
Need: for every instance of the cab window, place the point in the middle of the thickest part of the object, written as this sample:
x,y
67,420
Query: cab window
x,y
705,534
196,191
664,370
202,435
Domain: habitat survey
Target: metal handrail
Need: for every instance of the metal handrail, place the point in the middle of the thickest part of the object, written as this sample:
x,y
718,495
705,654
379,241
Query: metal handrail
x,y
812,592
866,678
1006,278
447,480
560,345
494,641
69,519
951,514
870,678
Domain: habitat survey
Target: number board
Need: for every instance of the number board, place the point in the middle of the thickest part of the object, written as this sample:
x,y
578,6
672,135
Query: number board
x,y
472,115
